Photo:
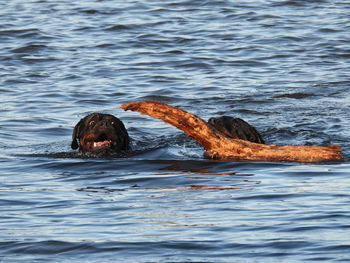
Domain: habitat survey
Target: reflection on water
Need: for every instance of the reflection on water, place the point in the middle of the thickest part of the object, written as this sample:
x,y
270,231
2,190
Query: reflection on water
x,y
196,168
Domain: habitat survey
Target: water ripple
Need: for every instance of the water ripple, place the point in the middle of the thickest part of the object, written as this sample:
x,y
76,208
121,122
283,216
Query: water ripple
x,y
281,65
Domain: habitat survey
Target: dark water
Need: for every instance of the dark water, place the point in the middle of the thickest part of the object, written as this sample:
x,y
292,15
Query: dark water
x,y
281,65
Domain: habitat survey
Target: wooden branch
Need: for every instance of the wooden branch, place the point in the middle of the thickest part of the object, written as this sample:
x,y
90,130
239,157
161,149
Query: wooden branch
x,y
219,146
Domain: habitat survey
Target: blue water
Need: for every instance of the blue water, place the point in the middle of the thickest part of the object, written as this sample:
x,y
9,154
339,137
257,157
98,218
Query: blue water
x,y
284,66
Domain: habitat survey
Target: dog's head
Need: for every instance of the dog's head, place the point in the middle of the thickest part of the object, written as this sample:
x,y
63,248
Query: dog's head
x,y
236,128
98,132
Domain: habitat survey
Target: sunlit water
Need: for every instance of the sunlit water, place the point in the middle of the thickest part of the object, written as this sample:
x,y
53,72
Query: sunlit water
x,y
281,65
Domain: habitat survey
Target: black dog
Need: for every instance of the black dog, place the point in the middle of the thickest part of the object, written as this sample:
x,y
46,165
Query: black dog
x,y
99,132
236,128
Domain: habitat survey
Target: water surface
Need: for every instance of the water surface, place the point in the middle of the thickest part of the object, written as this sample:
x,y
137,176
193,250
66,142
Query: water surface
x,y
281,65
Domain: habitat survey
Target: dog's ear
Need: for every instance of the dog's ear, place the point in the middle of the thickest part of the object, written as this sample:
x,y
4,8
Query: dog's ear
x,y
75,135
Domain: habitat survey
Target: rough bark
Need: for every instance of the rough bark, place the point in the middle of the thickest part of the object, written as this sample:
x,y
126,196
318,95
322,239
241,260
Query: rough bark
x,y
219,146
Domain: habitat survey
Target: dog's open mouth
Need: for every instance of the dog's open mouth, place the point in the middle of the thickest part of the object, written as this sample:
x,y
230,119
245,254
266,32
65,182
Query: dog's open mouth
x,y
102,142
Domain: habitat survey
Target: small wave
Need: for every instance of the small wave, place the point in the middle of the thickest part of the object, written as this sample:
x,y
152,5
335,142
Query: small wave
x,y
48,247
22,33
29,48
118,27
297,95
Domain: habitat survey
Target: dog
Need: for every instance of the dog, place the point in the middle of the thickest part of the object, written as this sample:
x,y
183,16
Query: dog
x,y
236,128
99,132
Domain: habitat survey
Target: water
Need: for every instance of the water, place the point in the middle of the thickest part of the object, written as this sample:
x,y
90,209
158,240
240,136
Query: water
x,y
281,65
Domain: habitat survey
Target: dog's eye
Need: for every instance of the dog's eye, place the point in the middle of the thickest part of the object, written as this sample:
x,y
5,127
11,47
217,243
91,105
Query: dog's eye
x,y
112,122
91,123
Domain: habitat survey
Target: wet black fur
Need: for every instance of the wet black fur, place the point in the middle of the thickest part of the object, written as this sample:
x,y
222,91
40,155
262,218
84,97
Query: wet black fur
x,y
118,129
236,128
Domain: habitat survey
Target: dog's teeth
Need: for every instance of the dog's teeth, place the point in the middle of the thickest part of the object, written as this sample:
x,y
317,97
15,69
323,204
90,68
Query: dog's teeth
x,y
101,144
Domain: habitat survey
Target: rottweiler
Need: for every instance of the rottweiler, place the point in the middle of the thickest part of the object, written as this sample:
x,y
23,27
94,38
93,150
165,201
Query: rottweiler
x,y
99,132
236,128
